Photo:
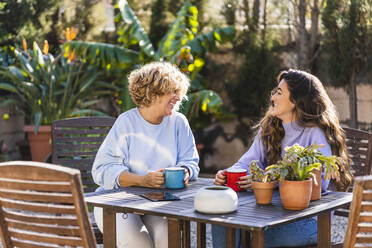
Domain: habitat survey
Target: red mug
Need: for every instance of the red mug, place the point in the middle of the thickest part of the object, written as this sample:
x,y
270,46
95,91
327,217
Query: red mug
x,y
232,177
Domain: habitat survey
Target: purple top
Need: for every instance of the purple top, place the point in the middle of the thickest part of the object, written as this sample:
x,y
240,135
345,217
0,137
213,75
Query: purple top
x,y
293,134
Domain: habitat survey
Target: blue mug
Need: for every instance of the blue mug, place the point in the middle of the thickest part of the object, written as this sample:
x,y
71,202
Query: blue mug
x,y
173,177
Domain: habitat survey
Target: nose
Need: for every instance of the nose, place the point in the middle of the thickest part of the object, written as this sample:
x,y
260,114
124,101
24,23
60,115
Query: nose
x,y
273,97
176,97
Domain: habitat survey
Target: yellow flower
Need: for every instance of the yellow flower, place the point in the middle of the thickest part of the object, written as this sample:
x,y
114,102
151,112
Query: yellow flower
x,y
71,56
39,102
205,105
73,33
6,117
24,45
199,62
46,47
68,34
191,67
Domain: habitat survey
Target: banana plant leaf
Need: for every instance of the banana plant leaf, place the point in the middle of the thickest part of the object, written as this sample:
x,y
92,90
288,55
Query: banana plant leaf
x,y
176,36
103,54
135,28
204,43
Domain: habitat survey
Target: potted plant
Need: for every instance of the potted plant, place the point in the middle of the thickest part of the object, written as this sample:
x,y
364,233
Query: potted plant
x,y
263,182
49,88
297,171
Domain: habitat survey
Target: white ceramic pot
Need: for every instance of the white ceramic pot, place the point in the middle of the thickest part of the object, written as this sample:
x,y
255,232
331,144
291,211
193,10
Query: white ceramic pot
x,y
216,200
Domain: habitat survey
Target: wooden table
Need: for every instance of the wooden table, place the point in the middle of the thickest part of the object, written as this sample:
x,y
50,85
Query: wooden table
x,y
249,216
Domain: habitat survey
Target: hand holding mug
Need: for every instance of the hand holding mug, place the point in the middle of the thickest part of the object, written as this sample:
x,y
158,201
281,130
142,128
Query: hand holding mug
x,y
245,182
154,179
220,178
186,178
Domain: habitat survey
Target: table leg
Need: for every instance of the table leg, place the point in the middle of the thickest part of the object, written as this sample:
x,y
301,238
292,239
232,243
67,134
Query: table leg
x,y
324,230
244,237
174,233
109,228
230,237
257,239
201,235
186,234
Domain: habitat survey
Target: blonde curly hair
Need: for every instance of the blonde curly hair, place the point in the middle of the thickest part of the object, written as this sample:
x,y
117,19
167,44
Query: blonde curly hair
x,y
154,80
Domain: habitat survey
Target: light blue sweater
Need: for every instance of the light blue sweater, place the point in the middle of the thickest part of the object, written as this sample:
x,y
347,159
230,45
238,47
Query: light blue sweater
x,y
137,146
293,134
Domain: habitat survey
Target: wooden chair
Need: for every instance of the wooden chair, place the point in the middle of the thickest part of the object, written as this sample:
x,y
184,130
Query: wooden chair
x,y
359,228
42,205
75,142
359,146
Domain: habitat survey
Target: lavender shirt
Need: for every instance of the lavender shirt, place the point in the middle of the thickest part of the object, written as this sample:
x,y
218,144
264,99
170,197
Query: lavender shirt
x,y
293,134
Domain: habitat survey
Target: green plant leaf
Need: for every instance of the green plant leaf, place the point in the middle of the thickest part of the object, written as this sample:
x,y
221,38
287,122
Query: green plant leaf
x,y
8,102
207,42
137,31
112,54
38,117
9,88
176,36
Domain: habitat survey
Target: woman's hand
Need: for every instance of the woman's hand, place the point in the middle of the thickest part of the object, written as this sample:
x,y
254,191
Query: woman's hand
x,y
245,182
186,178
154,179
220,178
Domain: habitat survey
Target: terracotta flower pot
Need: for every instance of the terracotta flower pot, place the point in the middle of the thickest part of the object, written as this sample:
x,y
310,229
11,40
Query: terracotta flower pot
x,y
263,191
40,143
295,195
316,189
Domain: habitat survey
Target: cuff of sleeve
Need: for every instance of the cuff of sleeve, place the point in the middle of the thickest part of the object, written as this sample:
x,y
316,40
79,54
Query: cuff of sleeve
x,y
117,183
189,169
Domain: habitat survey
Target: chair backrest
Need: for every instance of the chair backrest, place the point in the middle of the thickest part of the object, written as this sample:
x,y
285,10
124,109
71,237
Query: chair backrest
x,y
76,142
42,205
359,146
359,228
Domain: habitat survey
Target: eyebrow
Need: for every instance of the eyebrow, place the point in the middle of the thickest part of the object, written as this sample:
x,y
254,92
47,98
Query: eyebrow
x,y
279,89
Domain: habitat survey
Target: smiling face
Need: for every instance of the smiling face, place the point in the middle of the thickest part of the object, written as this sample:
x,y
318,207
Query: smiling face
x,y
165,104
282,107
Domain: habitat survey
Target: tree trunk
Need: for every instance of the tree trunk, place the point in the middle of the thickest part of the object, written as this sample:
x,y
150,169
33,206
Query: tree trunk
x,y
256,15
246,12
353,104
289,23
302,48
314,31
264,23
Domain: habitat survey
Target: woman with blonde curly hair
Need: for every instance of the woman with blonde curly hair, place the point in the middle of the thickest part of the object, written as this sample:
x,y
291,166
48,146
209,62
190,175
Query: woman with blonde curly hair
x,y
142,142
300,112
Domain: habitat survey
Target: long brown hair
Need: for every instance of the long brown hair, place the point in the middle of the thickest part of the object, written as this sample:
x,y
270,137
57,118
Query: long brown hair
x,y
312,108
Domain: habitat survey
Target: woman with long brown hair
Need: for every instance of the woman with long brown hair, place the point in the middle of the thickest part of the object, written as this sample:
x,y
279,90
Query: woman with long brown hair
x,y
300,112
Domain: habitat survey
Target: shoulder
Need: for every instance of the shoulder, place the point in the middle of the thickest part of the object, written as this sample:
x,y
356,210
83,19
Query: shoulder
x,y
130,116
179,119
315,132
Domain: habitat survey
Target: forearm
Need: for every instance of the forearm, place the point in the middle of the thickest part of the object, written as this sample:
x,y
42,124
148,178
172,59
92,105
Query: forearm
x,y
127,179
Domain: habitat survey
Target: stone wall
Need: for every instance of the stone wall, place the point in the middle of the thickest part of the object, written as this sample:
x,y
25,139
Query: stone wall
x,y
341,99
11,130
